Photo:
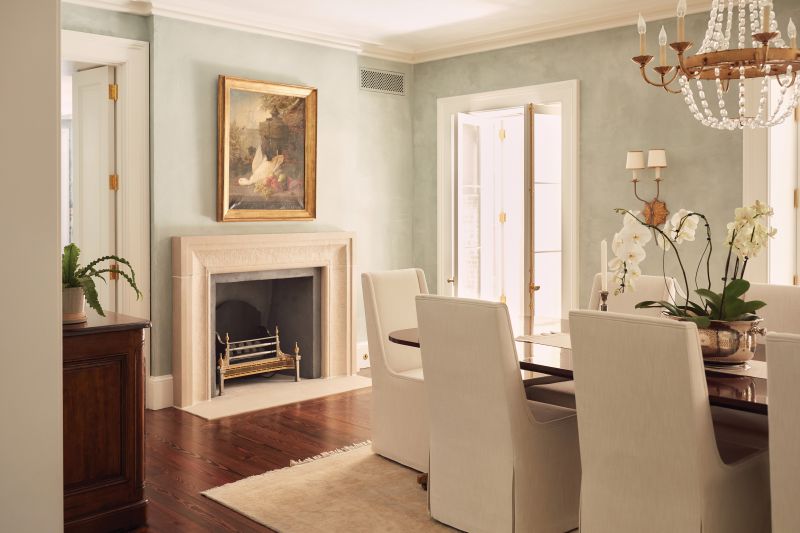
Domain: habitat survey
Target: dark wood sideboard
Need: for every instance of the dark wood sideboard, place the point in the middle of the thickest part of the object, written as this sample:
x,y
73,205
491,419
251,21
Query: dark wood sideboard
x,y
104,424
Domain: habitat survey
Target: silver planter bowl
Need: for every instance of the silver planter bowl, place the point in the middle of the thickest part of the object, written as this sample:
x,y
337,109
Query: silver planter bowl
x,y
730,342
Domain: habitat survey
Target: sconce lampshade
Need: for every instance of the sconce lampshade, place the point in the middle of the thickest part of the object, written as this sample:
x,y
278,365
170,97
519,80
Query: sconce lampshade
x,y
657,159
635,160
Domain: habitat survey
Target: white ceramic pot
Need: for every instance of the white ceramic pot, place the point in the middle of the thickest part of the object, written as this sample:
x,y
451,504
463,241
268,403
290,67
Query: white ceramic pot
x,y
73,305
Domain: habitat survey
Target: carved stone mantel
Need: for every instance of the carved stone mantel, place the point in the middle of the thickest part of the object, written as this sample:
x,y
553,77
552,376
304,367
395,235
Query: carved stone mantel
x,y
196,258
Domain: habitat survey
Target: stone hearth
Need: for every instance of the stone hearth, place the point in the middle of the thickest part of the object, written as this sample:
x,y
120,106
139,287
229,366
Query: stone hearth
x,y
195,259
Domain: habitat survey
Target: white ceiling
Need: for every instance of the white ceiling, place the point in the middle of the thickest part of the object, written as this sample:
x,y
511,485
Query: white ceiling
x,y
409,30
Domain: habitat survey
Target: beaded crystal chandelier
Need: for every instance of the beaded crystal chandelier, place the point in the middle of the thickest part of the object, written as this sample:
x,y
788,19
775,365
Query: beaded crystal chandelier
x,y
761,53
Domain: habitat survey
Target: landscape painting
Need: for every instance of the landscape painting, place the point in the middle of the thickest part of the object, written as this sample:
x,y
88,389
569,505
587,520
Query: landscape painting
x,y
267,151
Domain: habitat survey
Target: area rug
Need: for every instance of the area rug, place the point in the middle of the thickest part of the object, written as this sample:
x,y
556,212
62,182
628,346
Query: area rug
x,y
253,394
351,490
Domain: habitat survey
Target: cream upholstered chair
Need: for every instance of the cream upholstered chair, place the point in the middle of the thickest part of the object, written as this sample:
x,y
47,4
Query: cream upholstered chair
x,y
647,288
648,453
783,371
497,462
399,407
782,313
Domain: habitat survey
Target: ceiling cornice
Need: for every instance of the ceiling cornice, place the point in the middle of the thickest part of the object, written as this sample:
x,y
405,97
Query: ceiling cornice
x,y
584,22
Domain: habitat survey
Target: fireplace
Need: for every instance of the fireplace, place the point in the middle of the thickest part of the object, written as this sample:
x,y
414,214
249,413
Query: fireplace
x,y
198,260
260,316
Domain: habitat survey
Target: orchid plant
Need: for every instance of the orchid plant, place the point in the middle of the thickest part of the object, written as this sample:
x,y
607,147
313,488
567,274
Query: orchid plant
x,y
747,236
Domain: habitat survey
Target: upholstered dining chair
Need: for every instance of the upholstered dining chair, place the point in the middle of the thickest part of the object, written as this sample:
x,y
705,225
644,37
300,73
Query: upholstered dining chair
x,y
783,374
399,407
648,453
646,288
498,462
782,312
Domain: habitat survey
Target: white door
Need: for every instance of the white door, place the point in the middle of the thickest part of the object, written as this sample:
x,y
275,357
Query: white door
x,y
93,162
489,207
548,297
507,212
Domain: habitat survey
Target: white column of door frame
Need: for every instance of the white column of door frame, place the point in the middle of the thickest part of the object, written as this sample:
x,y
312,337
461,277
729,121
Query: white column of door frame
x,y
132,61
565,93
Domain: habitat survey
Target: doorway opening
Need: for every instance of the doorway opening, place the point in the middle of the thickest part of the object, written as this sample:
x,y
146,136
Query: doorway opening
x,y
508,201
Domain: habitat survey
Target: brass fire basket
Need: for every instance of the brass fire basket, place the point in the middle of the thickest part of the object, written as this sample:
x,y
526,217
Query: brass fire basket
x,y
255,356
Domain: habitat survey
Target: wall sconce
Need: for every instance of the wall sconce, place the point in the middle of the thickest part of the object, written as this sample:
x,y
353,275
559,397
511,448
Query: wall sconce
x,y
655,211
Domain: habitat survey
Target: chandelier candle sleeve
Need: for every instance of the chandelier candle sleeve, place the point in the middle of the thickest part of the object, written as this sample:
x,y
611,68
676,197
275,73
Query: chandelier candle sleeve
x,y
662,47
641,26
604,263
682,21
765,17
791,31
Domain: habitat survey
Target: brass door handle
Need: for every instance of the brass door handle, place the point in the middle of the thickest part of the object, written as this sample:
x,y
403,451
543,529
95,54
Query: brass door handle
x,y
451,280
534,288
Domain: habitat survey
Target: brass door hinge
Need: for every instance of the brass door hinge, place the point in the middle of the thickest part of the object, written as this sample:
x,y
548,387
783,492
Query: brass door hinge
x,y
503,217
796,198
795,280
502,134
113,91
114,275
113,182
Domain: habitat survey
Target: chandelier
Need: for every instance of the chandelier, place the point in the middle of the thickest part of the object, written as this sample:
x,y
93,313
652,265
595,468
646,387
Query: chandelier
x,y
761,53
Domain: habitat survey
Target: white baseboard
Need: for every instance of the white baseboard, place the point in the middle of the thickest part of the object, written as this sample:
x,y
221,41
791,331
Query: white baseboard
x,y
159,392
362,348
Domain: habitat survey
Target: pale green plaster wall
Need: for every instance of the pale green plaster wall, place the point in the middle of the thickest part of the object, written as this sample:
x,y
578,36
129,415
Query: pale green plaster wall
x,y
617,113
364,151
103,22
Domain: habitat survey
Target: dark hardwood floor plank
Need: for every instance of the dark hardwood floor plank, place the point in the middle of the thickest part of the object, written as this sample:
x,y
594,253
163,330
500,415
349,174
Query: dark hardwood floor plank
x,y
186,455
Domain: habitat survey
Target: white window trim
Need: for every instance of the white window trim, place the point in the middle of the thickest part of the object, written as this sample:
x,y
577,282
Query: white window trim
x,y
565,93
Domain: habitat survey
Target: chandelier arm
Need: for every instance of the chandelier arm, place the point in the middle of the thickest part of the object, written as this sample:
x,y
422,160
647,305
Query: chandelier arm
x,y
686,71
636,192
664,84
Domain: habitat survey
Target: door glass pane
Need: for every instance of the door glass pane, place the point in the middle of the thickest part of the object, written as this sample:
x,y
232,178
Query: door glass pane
x,y
547,216
547,267
468,210
547,147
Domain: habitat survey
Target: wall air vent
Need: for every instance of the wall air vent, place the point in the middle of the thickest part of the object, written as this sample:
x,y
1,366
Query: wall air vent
x,y
382,81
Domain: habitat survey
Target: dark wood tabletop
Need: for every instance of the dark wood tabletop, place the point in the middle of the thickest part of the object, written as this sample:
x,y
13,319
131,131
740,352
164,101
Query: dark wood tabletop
x,y
742,393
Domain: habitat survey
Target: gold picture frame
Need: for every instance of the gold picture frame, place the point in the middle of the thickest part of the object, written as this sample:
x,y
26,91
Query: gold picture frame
x,y
266,151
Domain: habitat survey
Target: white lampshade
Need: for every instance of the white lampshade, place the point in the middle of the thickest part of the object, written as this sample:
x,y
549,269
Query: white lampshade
x,y
635,161
657,159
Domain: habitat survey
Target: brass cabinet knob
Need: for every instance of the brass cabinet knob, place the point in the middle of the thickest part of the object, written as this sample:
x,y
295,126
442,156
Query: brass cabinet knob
x,y
534,288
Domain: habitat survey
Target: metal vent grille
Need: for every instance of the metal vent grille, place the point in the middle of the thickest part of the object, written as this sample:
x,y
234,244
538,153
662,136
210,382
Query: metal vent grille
x,y
383,81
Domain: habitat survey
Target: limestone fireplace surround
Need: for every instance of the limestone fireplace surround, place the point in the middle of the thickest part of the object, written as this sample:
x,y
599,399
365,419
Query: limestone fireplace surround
x,y
196,258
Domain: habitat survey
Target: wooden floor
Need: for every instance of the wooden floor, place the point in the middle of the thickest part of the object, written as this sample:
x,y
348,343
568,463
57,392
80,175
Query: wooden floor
x,y
185,455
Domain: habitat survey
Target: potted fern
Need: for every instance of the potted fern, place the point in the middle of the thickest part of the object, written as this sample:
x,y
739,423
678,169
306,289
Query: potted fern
x,y
78,282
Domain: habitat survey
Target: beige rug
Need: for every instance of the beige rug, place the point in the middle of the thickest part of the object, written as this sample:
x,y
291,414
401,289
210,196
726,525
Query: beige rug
x,y
253,394
346,491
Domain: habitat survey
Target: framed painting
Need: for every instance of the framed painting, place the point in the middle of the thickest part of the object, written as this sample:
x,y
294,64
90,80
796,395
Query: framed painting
x,y
267,151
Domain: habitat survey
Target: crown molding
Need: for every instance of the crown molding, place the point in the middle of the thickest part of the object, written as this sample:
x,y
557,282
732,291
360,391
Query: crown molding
x,y
584,22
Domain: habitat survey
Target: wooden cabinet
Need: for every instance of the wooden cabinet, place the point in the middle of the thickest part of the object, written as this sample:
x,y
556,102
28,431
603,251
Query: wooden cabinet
x,y
104,424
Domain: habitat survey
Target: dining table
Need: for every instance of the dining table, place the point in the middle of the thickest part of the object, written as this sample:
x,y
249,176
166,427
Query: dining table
x,y
734,387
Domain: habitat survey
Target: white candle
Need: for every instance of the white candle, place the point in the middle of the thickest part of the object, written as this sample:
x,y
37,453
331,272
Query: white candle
x,y
681,20
641,26
604,264
766,17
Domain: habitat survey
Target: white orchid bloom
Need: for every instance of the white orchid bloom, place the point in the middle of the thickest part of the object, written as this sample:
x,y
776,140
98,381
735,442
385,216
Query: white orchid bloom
x,y
631,218
617,243
632,254
662,242
636,233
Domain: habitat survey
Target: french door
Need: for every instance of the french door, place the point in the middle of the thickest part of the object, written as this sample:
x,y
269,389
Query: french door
x,y
93,220
506,228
